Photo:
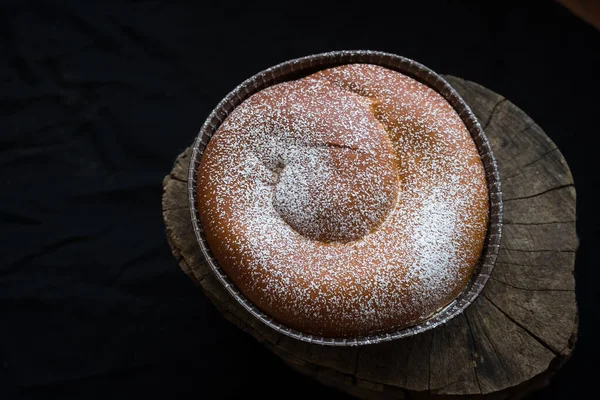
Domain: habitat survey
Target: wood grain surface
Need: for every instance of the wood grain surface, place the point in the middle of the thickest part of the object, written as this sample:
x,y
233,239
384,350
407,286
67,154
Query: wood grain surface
x,y
510,341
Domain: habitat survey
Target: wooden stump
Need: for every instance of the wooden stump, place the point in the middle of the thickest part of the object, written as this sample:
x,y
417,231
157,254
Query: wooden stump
x,y
510,341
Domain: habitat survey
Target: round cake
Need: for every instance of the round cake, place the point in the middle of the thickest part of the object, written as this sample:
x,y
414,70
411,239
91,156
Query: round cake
x,y
347,203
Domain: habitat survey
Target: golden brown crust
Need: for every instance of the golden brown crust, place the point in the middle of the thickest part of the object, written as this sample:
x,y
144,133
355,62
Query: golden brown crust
x,y
350,202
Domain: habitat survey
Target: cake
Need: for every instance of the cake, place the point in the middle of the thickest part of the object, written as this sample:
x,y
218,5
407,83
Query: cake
x,y
347,203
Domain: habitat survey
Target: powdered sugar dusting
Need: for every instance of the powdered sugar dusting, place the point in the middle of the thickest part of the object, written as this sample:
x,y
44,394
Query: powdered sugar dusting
x,y
346,203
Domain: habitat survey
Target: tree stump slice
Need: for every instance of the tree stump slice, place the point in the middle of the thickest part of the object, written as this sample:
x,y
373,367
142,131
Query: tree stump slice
x,y
514,336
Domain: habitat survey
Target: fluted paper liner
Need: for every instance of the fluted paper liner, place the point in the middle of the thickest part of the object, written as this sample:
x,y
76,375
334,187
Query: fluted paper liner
x,y
304,66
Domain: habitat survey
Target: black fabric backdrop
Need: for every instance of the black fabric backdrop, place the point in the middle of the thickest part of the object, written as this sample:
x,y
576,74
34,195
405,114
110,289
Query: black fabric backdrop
x,y
96,101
